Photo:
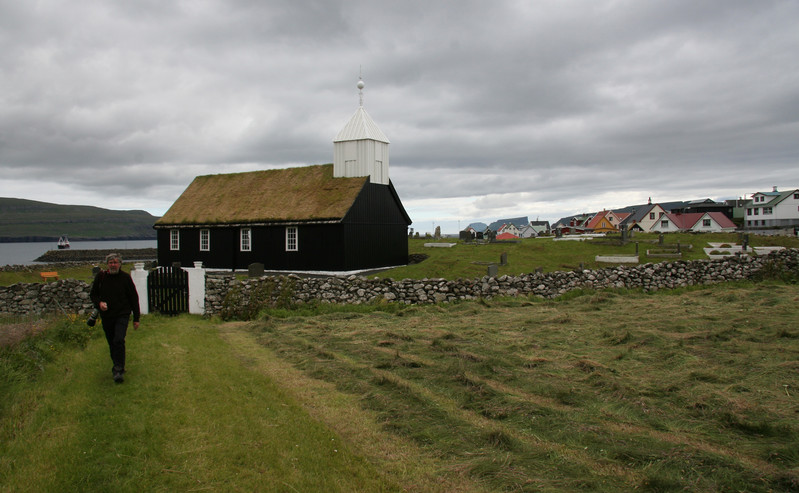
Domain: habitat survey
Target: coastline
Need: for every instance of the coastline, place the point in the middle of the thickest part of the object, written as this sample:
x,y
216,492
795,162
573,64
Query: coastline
x,y
127,254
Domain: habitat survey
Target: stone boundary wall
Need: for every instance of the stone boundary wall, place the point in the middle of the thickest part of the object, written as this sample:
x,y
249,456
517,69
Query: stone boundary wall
x,y
69,295
73,296
357,289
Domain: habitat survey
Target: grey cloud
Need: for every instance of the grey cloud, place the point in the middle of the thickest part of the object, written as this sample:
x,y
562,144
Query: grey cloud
x,y
519,102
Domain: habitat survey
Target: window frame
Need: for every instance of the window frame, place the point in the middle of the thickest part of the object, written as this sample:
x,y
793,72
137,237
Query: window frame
x,y
245,239
292,239
174,240
205,240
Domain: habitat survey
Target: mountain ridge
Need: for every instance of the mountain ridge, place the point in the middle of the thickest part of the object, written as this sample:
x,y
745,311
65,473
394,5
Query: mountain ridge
x,y
23,220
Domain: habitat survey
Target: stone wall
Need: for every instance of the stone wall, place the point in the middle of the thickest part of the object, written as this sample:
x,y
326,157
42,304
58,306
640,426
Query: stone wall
x,y
69,295
356,289
73,296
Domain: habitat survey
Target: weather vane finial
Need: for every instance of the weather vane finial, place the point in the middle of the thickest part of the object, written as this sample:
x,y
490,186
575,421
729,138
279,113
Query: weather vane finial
x,y
360,85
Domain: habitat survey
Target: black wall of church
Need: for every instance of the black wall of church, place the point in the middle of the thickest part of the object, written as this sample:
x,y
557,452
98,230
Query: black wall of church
x,y
372,234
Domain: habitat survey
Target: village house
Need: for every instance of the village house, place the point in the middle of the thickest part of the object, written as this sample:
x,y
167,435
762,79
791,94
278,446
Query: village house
x,y
772,209
344,216
697,222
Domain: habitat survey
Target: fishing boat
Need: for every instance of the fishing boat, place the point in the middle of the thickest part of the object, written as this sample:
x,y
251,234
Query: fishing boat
x,y
63,243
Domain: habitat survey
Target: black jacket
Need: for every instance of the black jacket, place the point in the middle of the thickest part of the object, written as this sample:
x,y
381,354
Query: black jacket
x,y
119,292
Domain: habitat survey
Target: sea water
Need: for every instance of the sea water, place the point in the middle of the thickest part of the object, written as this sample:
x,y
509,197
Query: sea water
x,y
27,253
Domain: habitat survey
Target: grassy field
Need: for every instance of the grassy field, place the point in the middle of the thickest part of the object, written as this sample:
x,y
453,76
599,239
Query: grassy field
x,y
690,390
525,256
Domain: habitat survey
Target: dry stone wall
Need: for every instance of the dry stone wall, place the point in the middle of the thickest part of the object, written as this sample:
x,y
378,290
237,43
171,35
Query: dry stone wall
x,y
67,295
72,296
357,289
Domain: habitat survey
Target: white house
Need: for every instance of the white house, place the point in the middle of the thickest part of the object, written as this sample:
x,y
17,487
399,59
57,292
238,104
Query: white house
x,y
772,210
651,218
700,222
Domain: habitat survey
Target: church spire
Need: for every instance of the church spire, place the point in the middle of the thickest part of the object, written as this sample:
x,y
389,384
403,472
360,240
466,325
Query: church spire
x,y
361,148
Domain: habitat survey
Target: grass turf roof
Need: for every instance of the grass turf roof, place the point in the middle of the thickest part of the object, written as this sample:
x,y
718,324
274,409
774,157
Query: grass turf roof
x,y
292,194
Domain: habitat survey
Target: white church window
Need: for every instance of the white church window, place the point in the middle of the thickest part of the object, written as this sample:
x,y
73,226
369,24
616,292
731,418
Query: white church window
x,y
246,245
205,240
291,239
174,239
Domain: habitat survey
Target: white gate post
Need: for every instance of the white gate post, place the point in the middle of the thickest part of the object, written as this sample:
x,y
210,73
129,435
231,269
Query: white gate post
x,y
139,276
196,289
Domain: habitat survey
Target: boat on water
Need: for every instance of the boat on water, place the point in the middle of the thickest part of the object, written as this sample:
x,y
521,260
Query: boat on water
x,y
63,243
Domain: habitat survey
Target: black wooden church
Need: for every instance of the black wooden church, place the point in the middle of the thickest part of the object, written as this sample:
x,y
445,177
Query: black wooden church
x,y
344,216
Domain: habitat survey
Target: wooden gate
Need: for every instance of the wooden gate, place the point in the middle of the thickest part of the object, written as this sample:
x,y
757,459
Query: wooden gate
x,y
168,290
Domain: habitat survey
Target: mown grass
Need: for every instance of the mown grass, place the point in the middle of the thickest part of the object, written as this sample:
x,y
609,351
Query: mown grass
x,y
693,390
192,415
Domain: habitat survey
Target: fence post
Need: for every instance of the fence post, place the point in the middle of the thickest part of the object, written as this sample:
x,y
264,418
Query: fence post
x,y
196,288
139,276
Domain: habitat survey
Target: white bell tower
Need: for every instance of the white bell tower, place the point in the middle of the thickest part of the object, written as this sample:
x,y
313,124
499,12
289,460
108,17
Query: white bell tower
x,y
361,148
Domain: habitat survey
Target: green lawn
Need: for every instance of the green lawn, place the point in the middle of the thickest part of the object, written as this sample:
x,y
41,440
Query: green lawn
x,y
525,256
193,414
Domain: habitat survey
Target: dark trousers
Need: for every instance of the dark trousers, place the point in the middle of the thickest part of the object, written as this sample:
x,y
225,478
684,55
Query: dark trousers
x,y
115,331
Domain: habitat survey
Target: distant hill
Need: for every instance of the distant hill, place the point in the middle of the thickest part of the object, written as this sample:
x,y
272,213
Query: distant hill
x,y
29,220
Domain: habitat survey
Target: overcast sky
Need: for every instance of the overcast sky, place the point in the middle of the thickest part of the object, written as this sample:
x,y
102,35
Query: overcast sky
x,y
494,109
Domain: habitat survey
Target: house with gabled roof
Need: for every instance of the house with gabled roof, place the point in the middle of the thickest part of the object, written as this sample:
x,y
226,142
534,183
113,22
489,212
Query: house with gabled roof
x,y
572,224
603,222
534,229
343,216
509,228
643,218
772,209
518,222
699,222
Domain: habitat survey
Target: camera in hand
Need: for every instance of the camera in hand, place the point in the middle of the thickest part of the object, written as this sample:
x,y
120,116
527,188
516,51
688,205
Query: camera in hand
x,y
93,318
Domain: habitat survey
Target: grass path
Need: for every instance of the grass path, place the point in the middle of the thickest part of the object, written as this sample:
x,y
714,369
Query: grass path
x,y
193,414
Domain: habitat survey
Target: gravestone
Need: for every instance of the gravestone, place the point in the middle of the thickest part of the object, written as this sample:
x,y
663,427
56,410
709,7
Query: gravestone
x,y
503,259
493,270
255,270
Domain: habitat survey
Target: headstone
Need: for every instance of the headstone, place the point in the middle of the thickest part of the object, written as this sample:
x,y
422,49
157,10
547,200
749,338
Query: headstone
x,y
255,270
503,259
660,239
493,270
